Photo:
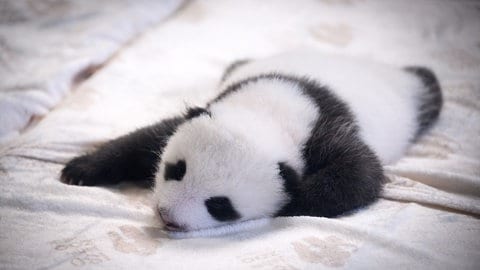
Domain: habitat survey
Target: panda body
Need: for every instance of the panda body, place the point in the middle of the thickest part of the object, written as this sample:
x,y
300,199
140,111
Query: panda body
x,y
313,130
301,133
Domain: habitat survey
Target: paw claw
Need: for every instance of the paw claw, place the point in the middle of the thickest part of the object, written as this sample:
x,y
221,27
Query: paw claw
x,y
77,170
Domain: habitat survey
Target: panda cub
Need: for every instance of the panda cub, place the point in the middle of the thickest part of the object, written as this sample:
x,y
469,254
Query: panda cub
x,y
301,133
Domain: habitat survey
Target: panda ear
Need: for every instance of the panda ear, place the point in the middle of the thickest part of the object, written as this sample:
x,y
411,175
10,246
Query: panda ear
x,y
289,176
195,112
175,171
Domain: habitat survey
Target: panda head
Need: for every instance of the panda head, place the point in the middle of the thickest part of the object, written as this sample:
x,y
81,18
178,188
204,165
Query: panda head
x,y
210,176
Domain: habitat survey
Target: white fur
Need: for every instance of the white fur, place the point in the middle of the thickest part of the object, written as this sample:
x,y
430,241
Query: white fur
x,y
235,152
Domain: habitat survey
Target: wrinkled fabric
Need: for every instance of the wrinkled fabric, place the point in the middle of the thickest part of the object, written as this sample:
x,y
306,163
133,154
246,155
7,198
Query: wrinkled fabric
x,y
427,217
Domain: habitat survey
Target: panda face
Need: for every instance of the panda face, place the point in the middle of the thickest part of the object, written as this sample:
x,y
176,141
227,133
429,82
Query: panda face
x,y
210,177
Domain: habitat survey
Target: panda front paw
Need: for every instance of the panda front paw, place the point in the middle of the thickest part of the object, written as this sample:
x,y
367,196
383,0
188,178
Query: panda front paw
x,y
80,171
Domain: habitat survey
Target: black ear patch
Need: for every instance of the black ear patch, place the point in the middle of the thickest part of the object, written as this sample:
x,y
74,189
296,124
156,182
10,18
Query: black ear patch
x,y
221,209
290,177
175,171
195,112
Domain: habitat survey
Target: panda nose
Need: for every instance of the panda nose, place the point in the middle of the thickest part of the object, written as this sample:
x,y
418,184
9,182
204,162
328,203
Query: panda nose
x,y
167,220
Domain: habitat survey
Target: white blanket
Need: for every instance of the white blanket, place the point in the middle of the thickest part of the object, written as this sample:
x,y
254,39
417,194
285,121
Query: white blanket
x,y
427,218
46,47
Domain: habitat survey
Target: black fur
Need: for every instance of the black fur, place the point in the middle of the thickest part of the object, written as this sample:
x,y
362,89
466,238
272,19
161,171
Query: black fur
x,y
175,171
221,209
132,157
342,173
431,101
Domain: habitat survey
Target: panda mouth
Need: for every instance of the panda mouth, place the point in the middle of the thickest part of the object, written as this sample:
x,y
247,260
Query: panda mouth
x,y
173,227
224,229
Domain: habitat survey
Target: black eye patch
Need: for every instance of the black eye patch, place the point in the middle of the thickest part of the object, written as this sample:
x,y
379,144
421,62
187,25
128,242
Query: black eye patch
x,y
175,171
221,209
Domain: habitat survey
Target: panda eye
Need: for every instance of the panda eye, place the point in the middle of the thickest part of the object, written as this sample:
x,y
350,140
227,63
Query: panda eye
x,y
175,171
221,209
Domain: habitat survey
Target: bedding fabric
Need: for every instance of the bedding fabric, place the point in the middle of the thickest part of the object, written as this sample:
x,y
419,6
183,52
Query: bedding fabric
x,y
47,46
427,217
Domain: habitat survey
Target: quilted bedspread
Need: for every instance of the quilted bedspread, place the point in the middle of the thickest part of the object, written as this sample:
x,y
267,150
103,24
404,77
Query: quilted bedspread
x,y
144,68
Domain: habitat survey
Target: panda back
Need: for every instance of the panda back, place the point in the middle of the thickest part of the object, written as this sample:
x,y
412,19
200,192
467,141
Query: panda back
x,y
383,99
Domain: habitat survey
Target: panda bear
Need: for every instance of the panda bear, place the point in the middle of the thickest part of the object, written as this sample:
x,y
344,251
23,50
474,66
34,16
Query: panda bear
x,y
297,134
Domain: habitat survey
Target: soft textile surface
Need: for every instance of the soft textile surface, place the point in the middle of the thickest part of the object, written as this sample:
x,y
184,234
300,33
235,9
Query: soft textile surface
x,y
427,218
48,45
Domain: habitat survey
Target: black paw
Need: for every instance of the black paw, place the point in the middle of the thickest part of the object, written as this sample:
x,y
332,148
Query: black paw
x,y
80,171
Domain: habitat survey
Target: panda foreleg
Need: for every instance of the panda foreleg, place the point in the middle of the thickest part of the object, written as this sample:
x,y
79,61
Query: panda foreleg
x,y
132,157
349,178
